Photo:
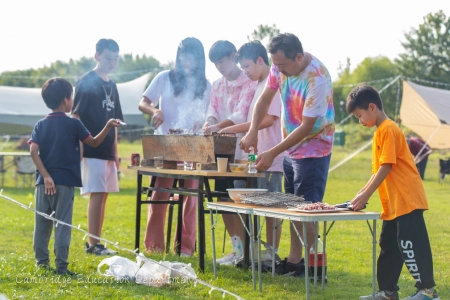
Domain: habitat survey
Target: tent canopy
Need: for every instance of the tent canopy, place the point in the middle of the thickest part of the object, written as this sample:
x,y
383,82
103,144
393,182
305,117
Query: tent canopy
x,y
426,111
21,108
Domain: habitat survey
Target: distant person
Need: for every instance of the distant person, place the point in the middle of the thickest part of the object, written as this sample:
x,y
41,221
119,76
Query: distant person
x,y
404,237
421,150
97,101
307,122
231,96
54,148
254,61
182,94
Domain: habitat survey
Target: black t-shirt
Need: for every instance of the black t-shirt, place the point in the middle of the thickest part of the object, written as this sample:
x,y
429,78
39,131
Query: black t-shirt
x,y
58,137
97,101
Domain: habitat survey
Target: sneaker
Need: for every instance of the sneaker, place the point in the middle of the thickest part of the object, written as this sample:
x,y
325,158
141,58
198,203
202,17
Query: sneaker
x,y
184,254
233,261
67,273
381,295
286,268
45,268
226,258
99,249
425,294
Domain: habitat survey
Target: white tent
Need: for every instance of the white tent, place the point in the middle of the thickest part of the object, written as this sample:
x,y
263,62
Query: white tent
x,y
426,111
23,107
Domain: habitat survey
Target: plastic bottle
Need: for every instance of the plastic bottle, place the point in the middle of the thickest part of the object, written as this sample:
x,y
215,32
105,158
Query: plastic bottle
x,y
251,161
321,260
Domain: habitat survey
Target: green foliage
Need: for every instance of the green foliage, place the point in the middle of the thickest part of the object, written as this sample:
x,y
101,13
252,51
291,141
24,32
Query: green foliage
x,y
129,67
263,32
369,70
427,48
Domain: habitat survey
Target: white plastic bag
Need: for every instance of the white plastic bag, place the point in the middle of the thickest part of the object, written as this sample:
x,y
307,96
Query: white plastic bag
x,y
121,268
151,274
180,269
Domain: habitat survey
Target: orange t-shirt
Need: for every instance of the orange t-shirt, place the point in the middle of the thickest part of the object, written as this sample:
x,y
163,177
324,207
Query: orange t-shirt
x,y
402,190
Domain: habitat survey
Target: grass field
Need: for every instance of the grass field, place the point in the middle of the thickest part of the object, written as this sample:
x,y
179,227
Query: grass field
x,y
349,246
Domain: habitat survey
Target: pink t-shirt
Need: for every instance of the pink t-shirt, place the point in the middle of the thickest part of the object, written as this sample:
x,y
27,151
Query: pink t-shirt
x,y
270,136
308,94
231,100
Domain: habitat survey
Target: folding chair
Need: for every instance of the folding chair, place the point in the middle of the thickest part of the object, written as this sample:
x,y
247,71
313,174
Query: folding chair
x,y
25,171
444,170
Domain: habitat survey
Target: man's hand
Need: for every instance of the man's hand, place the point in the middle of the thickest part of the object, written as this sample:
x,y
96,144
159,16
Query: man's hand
x,y
359,201
264,161
49,185
249,140
158,118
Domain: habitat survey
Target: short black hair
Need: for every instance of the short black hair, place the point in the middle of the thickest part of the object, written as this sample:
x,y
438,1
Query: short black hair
x,y
106,44
288,43
220,49
361,96
55,90
252,50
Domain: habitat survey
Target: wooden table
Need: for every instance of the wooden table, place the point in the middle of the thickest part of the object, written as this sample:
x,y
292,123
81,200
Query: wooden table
x,y
285,214
203,190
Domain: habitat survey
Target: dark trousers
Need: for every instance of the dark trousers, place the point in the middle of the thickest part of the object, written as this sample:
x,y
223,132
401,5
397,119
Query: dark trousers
x,y
421,167
404,240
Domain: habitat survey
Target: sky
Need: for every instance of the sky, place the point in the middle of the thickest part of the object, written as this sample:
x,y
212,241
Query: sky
x,y
35,33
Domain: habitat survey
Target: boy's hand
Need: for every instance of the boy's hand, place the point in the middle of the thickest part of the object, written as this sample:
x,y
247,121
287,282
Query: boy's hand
x,y
264,161
249,140
49,185
113,123
359,201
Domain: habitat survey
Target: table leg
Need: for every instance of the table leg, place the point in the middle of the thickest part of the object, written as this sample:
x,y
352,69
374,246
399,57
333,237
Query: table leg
x,y
252,259
213,242
259,252
138,210
305,247
316,232
201,220
324,257
374,242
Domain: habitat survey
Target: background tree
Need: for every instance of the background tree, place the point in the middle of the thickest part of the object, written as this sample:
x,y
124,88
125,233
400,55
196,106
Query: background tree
x,y
129,67
264,33
427,54
369,70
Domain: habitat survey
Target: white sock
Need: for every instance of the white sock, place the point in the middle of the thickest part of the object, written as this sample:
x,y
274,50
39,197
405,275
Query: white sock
x,y
237,245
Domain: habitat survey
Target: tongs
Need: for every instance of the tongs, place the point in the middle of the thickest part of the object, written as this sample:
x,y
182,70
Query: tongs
x,y
347,205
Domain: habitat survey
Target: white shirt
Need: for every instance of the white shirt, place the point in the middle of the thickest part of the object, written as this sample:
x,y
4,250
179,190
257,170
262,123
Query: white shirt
x,y
182,111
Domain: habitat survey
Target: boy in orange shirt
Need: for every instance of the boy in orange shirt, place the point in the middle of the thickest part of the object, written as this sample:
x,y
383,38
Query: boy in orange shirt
x,y
404,237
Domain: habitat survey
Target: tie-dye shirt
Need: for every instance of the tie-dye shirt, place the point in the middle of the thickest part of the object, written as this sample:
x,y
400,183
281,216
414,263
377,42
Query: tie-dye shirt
x,y
308,94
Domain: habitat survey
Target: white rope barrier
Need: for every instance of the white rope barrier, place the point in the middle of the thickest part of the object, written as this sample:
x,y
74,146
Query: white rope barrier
x,y
116,245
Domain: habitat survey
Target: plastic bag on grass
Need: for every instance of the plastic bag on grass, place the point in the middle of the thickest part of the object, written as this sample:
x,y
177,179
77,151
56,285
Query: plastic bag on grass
x,y
151,273
121,268
180,269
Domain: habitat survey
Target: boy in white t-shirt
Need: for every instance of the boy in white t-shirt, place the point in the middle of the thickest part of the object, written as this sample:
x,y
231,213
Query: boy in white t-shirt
x,y
254,61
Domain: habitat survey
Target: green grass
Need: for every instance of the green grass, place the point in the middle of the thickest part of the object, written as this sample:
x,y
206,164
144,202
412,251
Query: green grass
x,y
349,245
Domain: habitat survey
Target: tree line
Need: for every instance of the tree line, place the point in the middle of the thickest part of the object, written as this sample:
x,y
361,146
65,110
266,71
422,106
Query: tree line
x,y
426,57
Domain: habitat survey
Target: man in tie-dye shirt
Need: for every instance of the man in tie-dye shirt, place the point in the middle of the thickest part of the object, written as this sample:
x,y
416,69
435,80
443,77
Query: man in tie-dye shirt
x,y
307,126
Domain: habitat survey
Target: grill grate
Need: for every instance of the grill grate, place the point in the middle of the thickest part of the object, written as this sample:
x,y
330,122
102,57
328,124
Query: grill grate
x,y
273,199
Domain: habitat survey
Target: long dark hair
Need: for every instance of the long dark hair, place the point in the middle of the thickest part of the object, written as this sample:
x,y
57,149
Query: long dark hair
x,y
194,47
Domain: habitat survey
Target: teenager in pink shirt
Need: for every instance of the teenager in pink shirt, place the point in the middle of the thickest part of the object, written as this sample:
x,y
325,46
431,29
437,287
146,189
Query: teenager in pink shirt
x,y
231,96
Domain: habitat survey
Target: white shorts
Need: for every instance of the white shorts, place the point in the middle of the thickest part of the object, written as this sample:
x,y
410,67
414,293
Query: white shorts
x,y
98,176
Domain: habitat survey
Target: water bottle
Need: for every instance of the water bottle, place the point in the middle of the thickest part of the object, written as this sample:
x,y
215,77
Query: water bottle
x,y
321,260
252,161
